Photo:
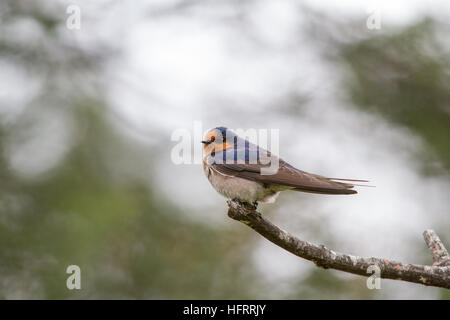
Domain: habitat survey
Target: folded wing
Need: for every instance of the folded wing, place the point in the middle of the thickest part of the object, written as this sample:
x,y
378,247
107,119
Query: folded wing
x,y
286,176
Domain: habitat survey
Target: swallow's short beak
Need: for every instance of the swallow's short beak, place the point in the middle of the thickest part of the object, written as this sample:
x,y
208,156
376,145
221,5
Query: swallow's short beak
x,y
206,141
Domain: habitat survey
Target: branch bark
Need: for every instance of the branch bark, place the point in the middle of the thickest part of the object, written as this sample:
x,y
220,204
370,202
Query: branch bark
x,y
437,275
438,251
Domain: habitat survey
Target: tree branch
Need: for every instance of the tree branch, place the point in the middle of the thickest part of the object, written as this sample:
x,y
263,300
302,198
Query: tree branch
x,y
438,251
437,275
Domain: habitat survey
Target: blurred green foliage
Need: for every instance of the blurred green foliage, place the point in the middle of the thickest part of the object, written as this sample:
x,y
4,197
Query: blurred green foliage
x,y
92,210
99,207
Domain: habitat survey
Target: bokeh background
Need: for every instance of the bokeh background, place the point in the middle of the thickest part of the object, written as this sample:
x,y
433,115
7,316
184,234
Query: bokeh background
x,y
86,118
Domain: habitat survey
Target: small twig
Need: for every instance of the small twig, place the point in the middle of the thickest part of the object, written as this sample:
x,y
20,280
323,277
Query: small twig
x,y
436,275
438,251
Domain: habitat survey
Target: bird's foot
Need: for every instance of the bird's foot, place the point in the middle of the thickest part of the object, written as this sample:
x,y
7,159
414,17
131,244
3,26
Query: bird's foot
x,y
251,206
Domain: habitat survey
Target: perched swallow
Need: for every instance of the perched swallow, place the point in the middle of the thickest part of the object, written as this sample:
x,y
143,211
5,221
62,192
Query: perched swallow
x,y
235,168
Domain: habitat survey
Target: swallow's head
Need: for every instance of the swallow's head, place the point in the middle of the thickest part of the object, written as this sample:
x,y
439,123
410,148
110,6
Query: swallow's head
x,y
218,139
